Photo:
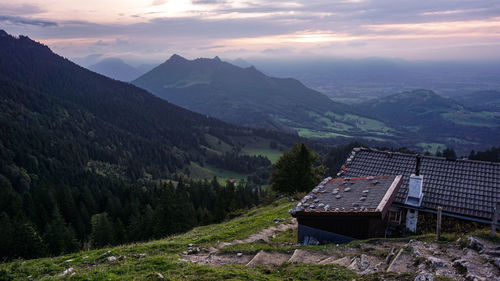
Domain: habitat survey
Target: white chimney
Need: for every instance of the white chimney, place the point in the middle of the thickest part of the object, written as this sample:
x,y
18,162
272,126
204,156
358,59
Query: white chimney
x,y
415,194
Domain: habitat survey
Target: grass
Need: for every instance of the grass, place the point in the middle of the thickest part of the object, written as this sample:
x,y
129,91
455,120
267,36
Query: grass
x,y
161,255
468,118
272,154
284,241
308,133
209,171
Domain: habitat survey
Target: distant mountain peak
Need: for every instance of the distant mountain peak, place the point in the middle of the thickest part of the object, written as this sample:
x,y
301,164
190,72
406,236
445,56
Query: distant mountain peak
x,y
3,33
217,59
176,58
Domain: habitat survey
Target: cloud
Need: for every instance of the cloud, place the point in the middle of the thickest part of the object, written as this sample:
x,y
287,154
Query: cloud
x,y
159,2
27,21
259,27
20,9
212,47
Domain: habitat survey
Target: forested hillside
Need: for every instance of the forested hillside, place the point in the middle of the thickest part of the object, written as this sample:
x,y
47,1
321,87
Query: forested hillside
x,y
87,161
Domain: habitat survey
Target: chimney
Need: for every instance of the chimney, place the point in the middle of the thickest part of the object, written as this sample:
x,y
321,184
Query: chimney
x,y
417,168
415,195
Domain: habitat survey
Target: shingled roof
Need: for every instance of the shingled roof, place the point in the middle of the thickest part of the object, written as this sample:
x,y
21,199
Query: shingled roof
x,y
369,196
463,187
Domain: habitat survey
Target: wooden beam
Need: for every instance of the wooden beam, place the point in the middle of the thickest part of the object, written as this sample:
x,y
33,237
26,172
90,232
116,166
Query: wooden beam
x,y
438,225
494,221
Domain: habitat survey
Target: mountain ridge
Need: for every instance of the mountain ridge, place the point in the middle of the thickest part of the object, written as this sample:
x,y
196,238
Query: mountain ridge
x,y
233,94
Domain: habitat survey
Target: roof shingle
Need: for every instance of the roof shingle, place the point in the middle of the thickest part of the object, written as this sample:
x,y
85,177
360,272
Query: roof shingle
x,y
463,187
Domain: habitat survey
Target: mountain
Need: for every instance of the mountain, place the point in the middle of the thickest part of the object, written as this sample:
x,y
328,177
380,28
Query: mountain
x,y
246,96
117,69
413,107
480,100
88,160
357,80
432,120
61,115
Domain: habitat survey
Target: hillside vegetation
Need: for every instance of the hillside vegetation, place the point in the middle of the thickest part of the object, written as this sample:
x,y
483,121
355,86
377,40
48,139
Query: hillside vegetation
x,y
81,153
264,239
431,122
246,96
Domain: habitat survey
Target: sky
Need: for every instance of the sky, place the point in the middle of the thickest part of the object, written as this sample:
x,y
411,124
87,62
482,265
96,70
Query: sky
x,y
152,30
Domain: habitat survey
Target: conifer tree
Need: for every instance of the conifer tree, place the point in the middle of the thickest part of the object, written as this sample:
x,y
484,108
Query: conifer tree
x,y
295,171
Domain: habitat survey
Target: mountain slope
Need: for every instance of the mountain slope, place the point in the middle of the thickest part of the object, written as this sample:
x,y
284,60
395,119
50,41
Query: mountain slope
x,y
410,108
244,96
481,100
221,251
78,115
82,154
431,120
117,69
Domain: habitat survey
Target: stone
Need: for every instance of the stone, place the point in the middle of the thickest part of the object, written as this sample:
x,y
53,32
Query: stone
x,y
190,245
496,262
159,275
424,277
363,262
435,262
70,260
239,255
107,253
259,240
143,255
67,271
112,259
475,244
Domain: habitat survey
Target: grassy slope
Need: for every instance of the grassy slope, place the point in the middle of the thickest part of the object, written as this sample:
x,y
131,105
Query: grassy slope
x,y
162,256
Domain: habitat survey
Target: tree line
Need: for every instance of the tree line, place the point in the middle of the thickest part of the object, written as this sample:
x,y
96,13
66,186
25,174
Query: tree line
x,y
53,220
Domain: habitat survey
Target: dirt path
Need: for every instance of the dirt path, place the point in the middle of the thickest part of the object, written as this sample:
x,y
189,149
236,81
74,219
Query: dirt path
x,y
470,259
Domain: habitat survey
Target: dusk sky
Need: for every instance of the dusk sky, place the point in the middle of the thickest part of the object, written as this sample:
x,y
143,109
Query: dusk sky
x,y
152,30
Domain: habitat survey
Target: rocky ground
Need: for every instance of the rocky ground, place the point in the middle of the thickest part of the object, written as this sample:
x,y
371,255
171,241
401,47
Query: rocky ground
x,y
468,258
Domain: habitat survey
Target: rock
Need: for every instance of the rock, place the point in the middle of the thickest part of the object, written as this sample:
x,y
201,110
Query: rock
x,y
459,241
309,240
493,253
67,271
475,244
143,255
473,277
190,245
363,263
156,275
70,260
84,258
424,277
112,259
259,240
496,262
345,261
239,255
435,262
268,259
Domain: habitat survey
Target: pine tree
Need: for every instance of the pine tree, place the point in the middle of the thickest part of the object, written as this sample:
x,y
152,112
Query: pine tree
x,y
102,231
295,171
